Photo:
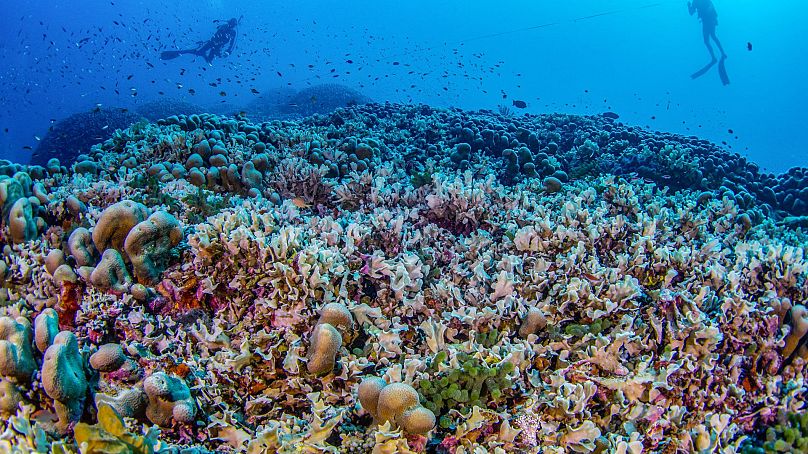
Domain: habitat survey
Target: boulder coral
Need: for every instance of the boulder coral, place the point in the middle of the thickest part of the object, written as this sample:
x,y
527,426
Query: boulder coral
x,y
169,400
107,358
10,191
46,327
80,247
64,378
534,321
129,402
111,273
325,343
21,224
149,243
396,403
795,340
326,337
10,398
16,354
115,223
17,363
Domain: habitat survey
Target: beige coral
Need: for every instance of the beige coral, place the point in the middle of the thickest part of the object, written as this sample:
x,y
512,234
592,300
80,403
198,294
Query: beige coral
x,y
325,343
799,328
115,223
16,355
336,315
327,337
169,400
80,246
46,327
21,224
107,358
111,273
397,403
64,379
148,244
534,321
10,398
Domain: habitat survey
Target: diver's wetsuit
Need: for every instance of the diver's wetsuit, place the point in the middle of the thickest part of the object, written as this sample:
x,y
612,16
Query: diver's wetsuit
x,y
225,35
709,21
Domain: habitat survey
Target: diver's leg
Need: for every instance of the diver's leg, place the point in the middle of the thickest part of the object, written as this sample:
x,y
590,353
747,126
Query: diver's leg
x,y
707,32
202,50
718,43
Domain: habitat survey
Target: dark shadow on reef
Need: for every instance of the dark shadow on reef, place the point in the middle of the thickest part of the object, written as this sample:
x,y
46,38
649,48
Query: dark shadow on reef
x,y
74,135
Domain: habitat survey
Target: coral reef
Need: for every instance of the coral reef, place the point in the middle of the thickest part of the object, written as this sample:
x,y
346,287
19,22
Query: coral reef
x,y
389,278
68,138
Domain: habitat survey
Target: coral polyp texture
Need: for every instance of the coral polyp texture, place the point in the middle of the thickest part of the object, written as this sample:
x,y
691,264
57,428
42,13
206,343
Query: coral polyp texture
x,y
391,278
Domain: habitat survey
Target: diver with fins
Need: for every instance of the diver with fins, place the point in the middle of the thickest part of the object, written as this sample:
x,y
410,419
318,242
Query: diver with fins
x,y
214,47
709,21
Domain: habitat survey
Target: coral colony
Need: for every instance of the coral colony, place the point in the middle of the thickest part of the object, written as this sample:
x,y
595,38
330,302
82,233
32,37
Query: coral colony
x,y
397,279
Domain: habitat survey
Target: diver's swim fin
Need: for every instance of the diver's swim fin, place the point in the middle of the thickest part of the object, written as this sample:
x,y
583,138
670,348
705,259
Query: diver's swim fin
x,y
722,71
170,54
702,71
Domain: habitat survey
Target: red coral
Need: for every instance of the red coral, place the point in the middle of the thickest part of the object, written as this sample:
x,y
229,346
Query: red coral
x,y
450,444
69,303
417,443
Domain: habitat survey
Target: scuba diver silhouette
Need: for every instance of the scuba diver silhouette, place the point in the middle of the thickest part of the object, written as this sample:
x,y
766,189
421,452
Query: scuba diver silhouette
x,y
709,21
225,36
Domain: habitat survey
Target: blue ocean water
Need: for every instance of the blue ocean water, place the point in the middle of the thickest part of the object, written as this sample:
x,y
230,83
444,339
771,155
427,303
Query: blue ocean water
x,y
633,57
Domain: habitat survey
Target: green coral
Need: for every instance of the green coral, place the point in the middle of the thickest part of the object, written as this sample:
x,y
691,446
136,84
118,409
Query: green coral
x,y
791,435
581,330
489,338
202,204
475,383
419,179
151,193
110,436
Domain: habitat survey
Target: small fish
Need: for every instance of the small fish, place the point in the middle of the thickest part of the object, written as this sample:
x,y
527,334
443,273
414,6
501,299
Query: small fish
x,y
26,147
591,277
300,203
519,104
254,91
749,46
222,93
610,115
